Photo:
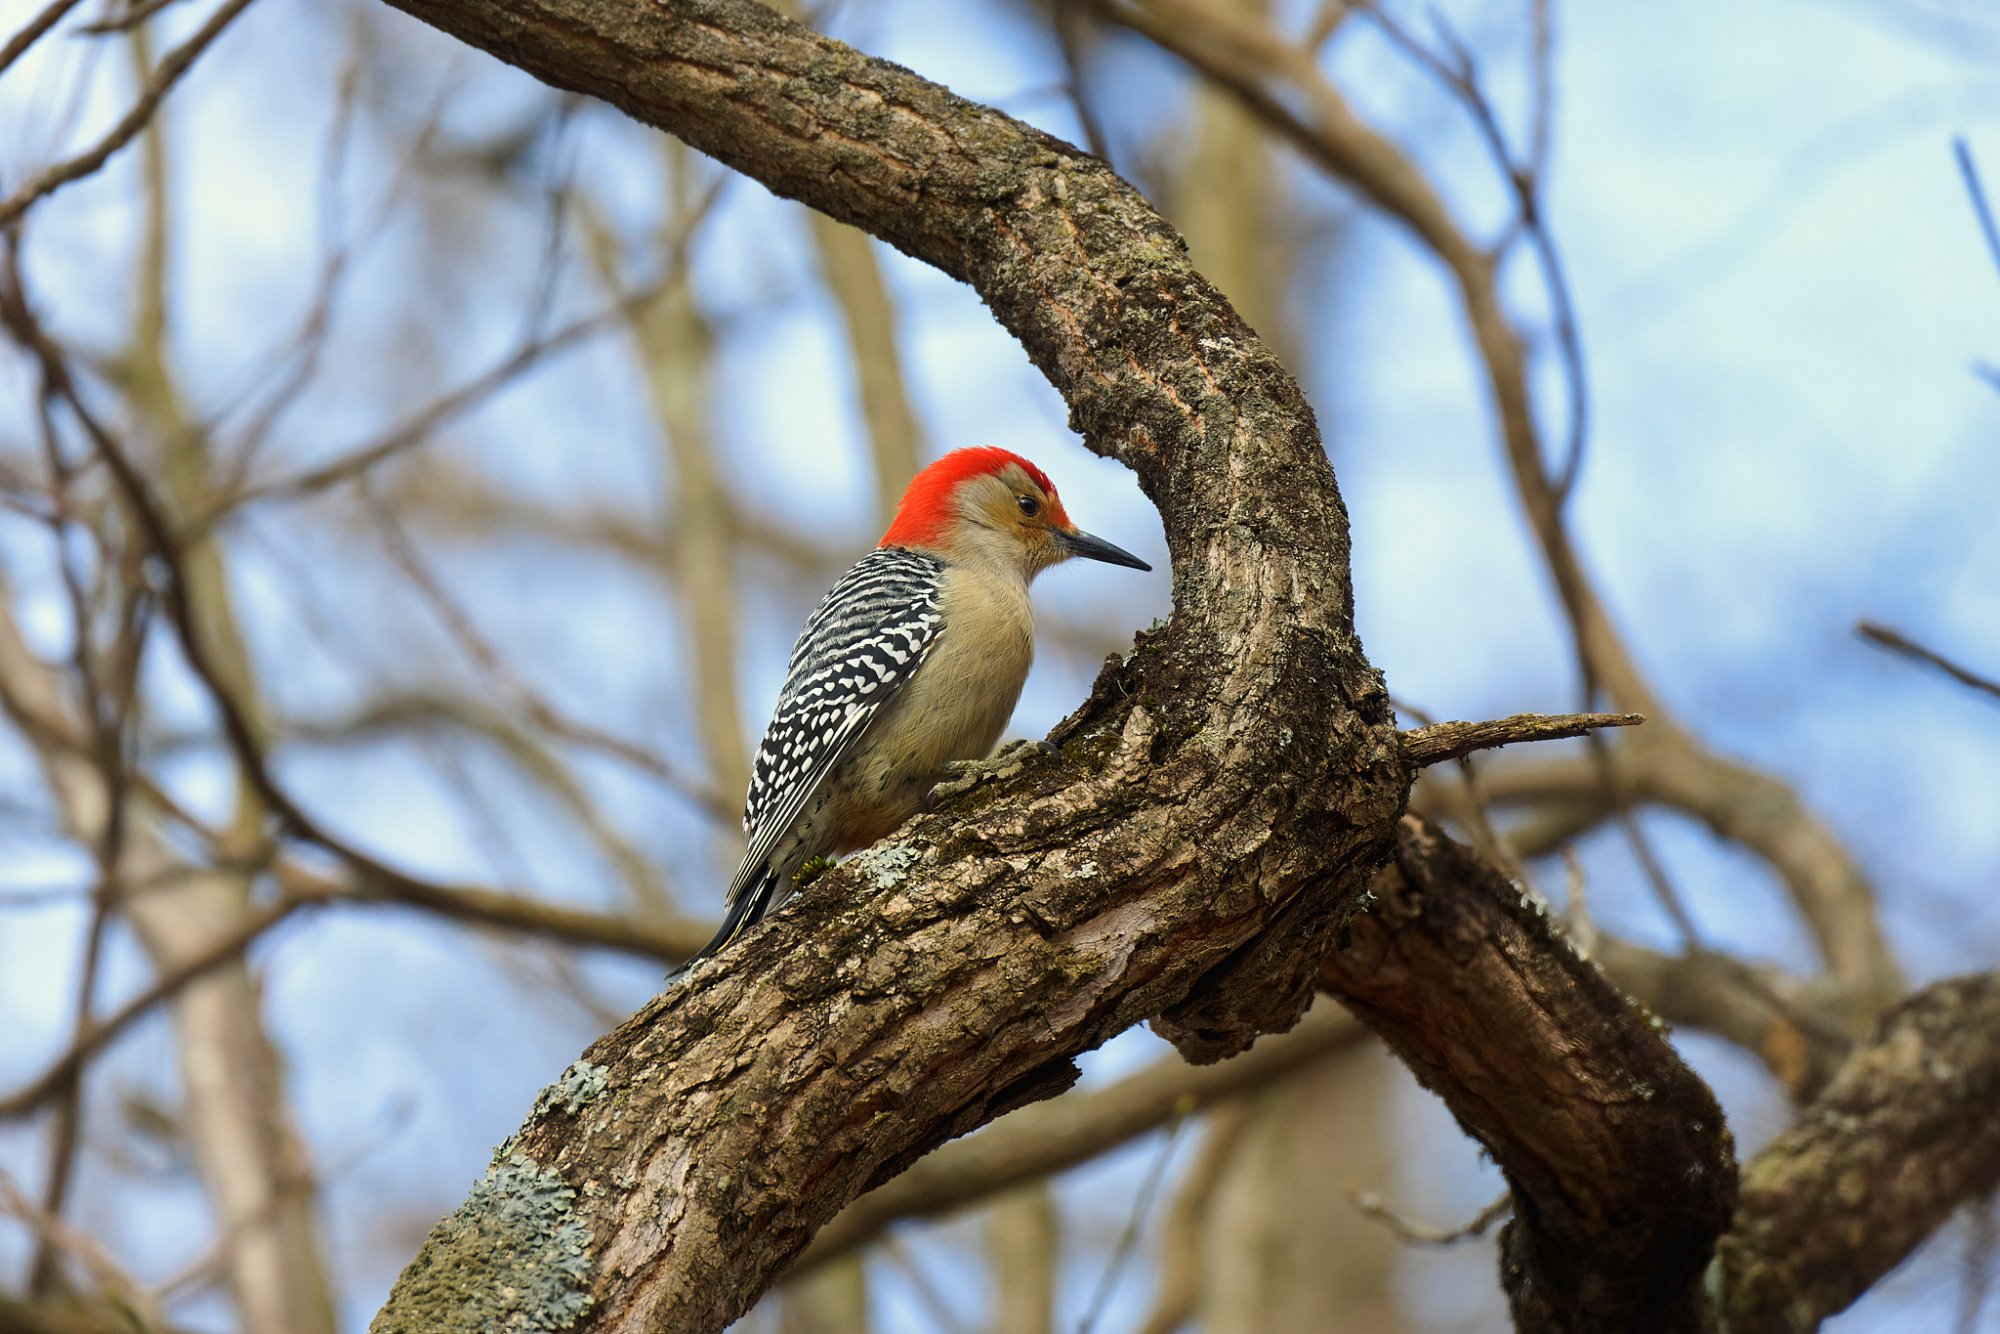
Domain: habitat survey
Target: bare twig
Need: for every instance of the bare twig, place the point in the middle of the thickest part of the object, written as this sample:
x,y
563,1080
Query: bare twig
x,y
666,942
1068,25
936,1307
1374,1206
1976,191
1460,74
420,426
1982,1234
170,69
1425,746
1541,66
1326,22
140,1312
1178,1291
488,659
291,370
1655,872
1897,642
219,951
65,1140
1135,1219
126,22
51,15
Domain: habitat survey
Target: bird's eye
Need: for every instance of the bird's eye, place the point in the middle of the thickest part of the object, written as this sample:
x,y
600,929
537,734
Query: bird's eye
x,y
1029,505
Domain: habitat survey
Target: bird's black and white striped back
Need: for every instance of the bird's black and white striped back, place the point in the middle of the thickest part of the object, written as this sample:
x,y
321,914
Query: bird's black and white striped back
x,y
864,641
859,648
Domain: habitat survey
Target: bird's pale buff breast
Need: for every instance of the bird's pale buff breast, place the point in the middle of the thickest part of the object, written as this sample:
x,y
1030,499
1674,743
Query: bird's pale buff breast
x,y
953,709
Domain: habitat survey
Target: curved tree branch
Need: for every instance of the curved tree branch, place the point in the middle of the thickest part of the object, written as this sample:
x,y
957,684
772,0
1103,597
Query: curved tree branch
x,y
1282,82
1235,780
1621,1168
1617,1157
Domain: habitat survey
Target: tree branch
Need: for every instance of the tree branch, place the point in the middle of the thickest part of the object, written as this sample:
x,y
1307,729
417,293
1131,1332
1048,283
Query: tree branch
x,y
51,14
933,983
1903,1137
1039,1141
1897,642
1283,83
1621,1168
1438,742
667,941
87,163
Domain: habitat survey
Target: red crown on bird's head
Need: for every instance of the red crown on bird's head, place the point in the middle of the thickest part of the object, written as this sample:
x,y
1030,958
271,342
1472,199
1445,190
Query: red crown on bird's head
x,y
926,506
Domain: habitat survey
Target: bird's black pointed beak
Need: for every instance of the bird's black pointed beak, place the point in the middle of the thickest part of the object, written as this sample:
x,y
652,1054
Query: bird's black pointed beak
x,y
1079,543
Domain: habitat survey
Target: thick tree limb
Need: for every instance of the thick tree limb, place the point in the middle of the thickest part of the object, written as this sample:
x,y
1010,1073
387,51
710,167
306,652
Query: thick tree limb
x,y
1618,1160
1905,1135
1235,780
1621,1168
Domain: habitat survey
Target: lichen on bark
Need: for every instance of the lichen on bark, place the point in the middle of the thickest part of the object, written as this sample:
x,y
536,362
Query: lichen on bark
x,y
513,1259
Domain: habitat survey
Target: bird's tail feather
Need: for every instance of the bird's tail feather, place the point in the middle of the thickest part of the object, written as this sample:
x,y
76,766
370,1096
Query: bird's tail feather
x,y
746,911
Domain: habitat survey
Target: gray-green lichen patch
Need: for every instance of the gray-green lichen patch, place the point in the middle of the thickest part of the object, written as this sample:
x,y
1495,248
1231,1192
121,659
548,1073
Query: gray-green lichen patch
x,y
885,867
574,1089
514,1259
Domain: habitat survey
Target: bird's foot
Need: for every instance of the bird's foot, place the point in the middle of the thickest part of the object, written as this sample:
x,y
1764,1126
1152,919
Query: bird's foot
x,y
961,776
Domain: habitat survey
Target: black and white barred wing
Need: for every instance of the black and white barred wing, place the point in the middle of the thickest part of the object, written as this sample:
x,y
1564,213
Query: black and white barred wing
x,y
859,648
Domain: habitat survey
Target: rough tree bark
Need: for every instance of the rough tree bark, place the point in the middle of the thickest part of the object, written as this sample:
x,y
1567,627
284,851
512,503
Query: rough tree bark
x,y
1621,1168
1903,1135
1619,1163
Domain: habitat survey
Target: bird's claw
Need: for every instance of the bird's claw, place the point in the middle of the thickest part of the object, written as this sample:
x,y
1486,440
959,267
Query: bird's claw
x,y
965,775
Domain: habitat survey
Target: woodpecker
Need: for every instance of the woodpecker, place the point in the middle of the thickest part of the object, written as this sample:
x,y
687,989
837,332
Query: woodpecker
x,y
913,661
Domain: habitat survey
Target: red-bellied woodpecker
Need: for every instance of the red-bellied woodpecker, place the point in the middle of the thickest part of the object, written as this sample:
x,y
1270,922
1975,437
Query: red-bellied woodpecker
x,y
913,661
